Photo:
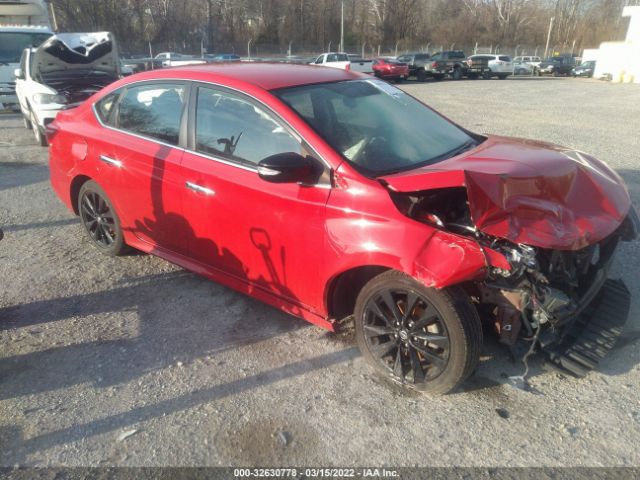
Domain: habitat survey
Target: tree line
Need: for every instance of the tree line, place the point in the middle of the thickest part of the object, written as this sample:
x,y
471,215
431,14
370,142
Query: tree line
x,y
305,26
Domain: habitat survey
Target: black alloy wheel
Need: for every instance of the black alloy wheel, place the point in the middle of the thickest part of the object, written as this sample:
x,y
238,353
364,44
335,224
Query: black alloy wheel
x,y
100,219
421,338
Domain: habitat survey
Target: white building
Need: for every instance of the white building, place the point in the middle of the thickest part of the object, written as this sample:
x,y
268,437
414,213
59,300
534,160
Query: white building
x,y
620,61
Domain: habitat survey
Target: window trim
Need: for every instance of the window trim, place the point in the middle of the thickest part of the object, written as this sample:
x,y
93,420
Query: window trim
x,y
183,146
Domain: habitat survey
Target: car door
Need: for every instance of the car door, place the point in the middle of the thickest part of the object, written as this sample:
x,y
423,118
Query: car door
x,y
267,236
142,152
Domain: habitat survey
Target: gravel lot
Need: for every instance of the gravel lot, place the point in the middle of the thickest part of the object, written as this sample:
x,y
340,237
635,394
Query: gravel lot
x,y
133,361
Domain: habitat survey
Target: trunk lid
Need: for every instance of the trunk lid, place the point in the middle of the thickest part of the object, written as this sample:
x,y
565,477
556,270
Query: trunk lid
x,y
529,192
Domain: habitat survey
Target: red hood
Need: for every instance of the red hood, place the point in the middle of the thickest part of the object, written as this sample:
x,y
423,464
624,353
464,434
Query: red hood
x,y
530,192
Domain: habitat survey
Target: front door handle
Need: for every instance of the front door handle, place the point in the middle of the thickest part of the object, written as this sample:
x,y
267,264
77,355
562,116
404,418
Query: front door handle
x,y
199,188
111,161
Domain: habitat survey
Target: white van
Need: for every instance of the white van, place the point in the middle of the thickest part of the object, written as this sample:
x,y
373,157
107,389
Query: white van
x,y
532,60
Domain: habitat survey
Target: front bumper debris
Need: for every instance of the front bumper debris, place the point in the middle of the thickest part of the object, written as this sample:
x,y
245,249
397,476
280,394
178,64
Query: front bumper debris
x,y
594,333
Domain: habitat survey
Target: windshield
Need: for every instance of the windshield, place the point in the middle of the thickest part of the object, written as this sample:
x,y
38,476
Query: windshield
x,y
12,44
377,127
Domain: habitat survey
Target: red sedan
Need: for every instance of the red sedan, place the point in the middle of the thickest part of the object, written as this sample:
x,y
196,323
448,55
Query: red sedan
x,y
334,196
390,69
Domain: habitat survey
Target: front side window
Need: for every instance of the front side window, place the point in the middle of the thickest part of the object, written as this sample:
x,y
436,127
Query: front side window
x,y
504,59
232,127
377,127
153,111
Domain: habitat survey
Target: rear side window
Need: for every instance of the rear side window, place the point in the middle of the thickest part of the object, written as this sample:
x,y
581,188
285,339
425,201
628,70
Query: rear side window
x,y
504,58
337,57
105,108
230,126
153,111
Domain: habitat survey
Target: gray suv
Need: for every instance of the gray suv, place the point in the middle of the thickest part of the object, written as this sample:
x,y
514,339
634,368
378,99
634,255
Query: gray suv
x,y
419,64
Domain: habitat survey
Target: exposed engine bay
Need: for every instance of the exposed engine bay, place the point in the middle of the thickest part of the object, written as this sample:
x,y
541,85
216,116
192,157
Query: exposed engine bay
x,y
76,86
76,65
541,298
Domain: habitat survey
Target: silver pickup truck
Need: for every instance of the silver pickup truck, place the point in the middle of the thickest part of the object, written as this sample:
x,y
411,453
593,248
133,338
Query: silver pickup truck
x,y
359,64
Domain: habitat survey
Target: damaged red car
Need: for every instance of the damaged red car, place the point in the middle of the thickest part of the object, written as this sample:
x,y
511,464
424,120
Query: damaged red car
x,y
337,197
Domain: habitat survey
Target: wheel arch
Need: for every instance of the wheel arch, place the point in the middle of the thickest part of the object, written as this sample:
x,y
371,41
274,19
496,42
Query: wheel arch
x,y
343,289
74,191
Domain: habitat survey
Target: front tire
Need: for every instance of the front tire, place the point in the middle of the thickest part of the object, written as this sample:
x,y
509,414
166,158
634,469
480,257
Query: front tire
x,y
38,133
100,220
422,338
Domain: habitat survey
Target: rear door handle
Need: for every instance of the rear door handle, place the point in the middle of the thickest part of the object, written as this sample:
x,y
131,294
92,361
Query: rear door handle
x,y
111,161
199,188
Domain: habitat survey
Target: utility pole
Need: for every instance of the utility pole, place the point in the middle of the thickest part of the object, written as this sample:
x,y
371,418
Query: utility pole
x,y
546,48
342,49
52,12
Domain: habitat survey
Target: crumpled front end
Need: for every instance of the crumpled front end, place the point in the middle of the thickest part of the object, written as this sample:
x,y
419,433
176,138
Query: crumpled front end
x,y
549,224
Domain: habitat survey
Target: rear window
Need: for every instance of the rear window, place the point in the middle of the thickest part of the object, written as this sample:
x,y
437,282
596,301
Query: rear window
x,y
153,110
422,57
105,106
458,54
504,58
337,57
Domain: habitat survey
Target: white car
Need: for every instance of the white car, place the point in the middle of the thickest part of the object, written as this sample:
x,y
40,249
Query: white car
x,y
171,59
334,60
499,66
61,73
532,60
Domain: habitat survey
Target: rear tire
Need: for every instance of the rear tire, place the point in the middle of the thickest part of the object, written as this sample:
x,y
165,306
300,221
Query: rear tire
x,y
100,220
421,338
486,75
457,73
421,75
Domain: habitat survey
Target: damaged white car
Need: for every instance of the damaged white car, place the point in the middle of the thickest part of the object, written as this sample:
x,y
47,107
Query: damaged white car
x,y
63,72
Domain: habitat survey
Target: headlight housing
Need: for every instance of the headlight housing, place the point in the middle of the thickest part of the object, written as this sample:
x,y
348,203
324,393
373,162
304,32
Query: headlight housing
x,y
48,98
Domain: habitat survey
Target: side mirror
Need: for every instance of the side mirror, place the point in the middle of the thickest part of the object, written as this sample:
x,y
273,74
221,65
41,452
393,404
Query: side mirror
x,y
19,73
289,167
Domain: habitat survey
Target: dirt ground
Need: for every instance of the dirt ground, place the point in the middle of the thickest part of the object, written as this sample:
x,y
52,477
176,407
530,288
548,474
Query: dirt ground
x,y
133,361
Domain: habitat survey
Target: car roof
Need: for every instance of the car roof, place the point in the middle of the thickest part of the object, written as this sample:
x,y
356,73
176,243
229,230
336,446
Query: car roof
x,y
264,75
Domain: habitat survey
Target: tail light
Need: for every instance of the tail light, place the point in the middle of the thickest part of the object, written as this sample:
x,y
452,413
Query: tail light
x,y
434,64
51,130
348,67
